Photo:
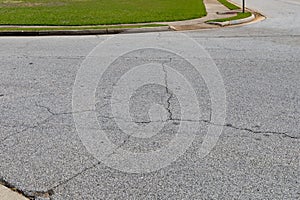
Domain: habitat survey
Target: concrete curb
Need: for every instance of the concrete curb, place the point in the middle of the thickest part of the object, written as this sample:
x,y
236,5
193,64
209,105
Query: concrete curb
x,y
86,32
170,26
234,22
8,194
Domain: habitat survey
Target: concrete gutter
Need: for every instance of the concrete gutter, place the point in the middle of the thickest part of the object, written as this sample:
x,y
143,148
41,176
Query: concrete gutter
x,y
215,10
86,32
235,22
8,194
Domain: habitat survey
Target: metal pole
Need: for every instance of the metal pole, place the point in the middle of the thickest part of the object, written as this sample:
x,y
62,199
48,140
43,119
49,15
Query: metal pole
x,y
243,6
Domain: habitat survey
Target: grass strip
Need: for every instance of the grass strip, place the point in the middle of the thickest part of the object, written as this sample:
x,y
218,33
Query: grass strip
x,y
238,16
97,12
229,5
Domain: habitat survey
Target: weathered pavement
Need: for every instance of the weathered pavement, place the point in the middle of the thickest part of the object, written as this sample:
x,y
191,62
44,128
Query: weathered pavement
x,y
256,157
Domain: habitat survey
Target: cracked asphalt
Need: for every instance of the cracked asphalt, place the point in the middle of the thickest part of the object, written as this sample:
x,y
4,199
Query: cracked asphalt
x,y
256,156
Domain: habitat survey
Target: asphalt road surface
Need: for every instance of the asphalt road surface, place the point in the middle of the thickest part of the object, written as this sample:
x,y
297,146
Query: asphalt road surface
x,y
142,116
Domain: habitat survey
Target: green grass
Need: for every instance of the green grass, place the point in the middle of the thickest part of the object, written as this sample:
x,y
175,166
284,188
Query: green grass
x,y
229,5
238,16
78,28
97,12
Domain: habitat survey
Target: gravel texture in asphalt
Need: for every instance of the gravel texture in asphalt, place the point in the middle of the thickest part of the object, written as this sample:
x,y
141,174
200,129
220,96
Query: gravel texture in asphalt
x,y
255,157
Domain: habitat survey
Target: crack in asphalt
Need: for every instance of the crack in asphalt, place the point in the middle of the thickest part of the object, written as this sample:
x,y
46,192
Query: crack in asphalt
x,y
285,134
29,194
75,175
50,192
208,122
178,120
119,147
91,167
38,124
170,94
62,113
170,118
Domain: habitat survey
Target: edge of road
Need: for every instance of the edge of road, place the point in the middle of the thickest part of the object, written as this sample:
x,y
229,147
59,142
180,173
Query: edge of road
x,y
255,17
170,26
11,193
234,22
105,31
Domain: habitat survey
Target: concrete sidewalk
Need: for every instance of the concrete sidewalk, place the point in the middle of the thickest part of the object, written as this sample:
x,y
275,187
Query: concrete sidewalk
x,y
212,7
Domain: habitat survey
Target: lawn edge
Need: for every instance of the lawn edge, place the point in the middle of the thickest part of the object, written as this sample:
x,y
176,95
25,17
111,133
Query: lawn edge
x,y
105,31
233,22
229,4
